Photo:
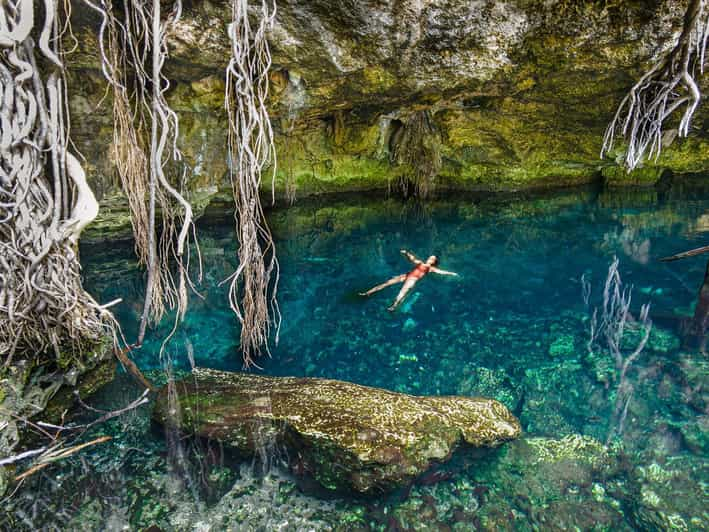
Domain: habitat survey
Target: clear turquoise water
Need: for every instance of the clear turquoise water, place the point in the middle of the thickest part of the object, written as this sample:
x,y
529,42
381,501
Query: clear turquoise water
x,y
513,326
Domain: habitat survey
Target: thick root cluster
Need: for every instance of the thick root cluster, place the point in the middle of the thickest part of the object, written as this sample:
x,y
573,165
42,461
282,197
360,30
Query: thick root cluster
x,y
45,201
133,52
417,145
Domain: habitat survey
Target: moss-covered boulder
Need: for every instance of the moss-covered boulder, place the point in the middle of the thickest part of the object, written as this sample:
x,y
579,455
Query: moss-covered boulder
x,y
346,435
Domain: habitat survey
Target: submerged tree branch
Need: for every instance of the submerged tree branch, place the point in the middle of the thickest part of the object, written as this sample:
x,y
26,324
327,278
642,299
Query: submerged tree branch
x,y
55,454
606,337
130,366
686,254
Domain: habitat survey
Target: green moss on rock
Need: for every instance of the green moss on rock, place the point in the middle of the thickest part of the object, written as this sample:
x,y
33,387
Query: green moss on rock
x,y
644,176
655,504
563,347
346,435
97,374
44,391
520,97
552,482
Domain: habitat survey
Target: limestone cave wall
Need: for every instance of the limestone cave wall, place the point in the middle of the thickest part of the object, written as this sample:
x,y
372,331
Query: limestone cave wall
x,y
518,92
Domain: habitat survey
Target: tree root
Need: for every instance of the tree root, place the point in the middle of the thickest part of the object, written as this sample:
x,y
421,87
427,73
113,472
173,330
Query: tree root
x,y
669,85
43,306
417,144
125,50
132,368
252,289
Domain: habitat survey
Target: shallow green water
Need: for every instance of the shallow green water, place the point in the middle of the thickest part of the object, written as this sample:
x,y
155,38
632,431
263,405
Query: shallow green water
x,y
513,326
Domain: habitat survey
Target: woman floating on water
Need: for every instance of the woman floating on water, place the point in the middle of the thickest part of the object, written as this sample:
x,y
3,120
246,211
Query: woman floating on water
x,y
409,279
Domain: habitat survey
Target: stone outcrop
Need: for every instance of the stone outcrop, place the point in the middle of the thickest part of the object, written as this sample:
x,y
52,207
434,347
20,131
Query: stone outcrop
x,y
44,390
519,91
345,435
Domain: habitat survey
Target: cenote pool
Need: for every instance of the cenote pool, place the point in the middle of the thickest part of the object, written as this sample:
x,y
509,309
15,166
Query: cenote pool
x,y
513,326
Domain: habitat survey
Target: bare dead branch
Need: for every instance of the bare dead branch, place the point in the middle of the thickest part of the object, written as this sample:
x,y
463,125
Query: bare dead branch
x,y
55,454
686,254
606,337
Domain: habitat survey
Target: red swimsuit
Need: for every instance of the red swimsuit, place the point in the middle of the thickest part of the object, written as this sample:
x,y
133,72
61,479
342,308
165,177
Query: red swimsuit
x,y
418,272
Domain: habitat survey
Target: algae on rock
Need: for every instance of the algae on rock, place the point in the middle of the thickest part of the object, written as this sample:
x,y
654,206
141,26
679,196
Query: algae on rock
x,y
45,390
346,435
519,91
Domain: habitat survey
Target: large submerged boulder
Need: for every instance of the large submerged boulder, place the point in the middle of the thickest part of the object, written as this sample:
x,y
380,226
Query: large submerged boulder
x,y
346,435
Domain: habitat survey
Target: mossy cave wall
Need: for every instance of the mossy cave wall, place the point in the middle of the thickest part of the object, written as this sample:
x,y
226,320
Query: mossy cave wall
x,y
520,91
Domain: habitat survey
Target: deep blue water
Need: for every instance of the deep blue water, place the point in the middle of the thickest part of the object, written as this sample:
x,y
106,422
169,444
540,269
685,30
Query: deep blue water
x,y
513,325
519,264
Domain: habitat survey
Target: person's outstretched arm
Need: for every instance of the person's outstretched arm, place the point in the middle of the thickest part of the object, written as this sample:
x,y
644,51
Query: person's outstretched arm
x,y
393,280
413,258
442,272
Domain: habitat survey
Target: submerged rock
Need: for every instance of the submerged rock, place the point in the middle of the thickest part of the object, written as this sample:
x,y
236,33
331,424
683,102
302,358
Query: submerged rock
x,y
346,435
653,495
543,483
45,389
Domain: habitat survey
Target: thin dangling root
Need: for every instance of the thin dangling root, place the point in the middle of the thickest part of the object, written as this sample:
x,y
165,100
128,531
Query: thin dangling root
x,y
252,291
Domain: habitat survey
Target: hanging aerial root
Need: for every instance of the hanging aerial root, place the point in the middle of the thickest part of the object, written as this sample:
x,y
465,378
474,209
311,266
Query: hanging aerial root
x,y
669,85
252,291
45,201
127,48
417,144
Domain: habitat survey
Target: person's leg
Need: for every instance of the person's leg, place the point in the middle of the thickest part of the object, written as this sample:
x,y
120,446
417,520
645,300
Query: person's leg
x,y
408,285
393,280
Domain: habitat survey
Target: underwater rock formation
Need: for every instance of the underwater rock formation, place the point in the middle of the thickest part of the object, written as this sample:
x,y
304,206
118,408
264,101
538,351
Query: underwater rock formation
x,y
346,435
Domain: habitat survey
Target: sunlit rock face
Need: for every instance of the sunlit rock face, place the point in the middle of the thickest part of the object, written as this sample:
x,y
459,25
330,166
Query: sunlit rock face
x,y
345,435
519,92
